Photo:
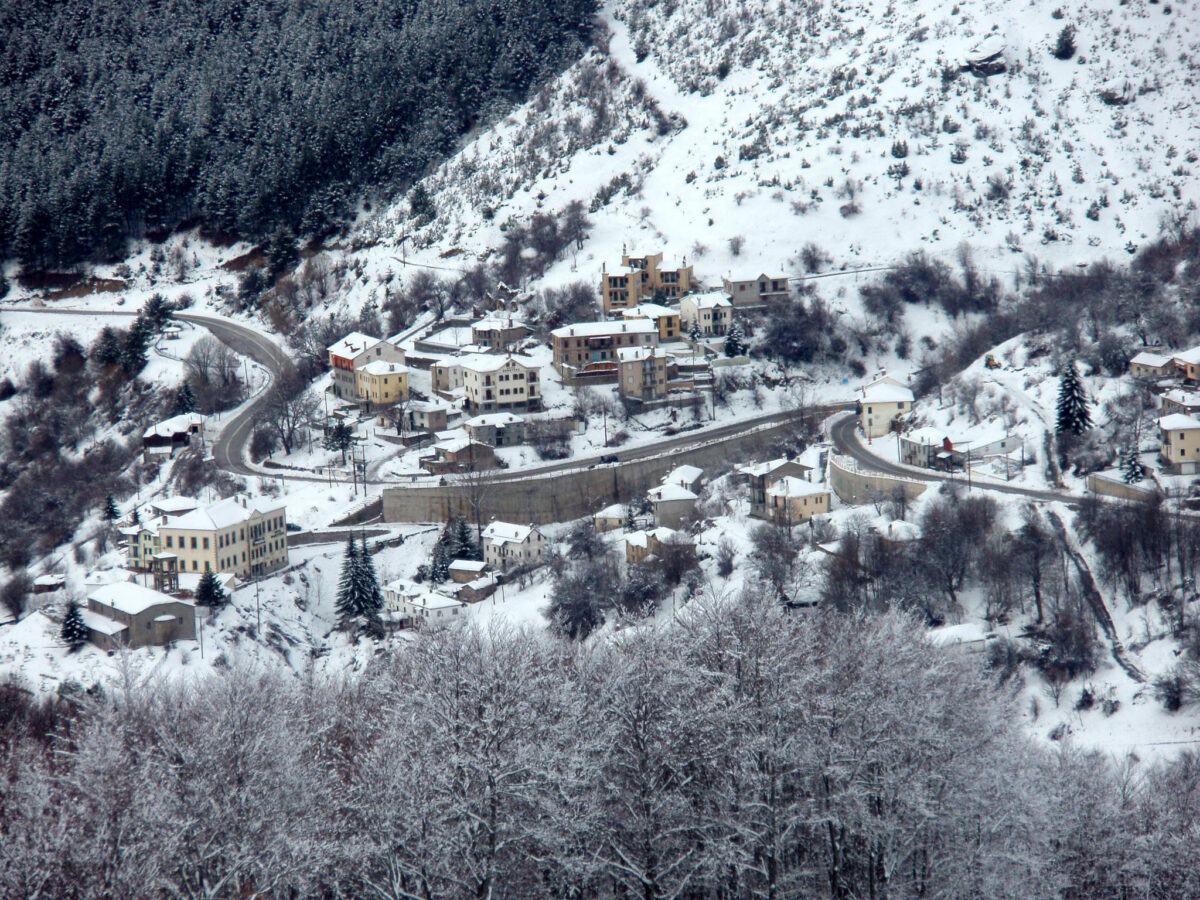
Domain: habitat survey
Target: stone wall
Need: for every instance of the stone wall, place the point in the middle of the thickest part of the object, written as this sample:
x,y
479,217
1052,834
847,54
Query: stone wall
x,y
856,486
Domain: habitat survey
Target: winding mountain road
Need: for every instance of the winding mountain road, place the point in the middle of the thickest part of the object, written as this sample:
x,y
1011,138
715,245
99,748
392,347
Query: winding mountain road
x,y
844,434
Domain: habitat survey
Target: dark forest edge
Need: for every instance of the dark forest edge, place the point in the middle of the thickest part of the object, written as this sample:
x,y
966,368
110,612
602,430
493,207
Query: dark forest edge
x,y
125,119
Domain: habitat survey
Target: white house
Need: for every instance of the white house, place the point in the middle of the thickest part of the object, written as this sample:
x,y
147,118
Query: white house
x,y
712,312
672,504
421,606
880,403
507,546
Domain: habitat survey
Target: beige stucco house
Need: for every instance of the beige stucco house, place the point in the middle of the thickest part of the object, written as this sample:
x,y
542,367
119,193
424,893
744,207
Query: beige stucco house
x,y
353,351
666,318
881,402
507,546
792,500
1151,365
712,312
240,536
1180,443
641,278
642,372
382,383
588,350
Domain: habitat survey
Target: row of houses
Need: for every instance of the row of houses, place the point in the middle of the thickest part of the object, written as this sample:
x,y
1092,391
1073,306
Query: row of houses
x,y
644,278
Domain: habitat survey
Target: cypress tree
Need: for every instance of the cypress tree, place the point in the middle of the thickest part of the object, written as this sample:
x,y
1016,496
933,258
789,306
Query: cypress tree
x,y
1074,414
74,633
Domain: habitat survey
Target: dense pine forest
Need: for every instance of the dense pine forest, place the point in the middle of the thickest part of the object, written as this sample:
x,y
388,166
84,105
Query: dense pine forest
x,y
131,117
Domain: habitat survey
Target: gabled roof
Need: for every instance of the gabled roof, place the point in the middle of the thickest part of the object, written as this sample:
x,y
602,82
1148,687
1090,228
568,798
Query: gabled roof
x,y
508,533
668,492
640,354
710,300
353,344
791,486
1178,422
612,511
760,469
467,565
93,621
496,420
175,425
602,329
383,367
649,311
223,515
642,538
173,506
490,362
1145,358
887,390
130,598
1182,397
1189,356
683,475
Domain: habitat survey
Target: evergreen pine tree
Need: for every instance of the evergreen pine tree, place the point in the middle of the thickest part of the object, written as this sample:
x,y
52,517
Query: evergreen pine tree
x,y
735,341
1074,416
347,604
106,350
1131,466
185,399
371,597
109,510
210,593
694,330
465,539
74,633
339,436
439,566
133,352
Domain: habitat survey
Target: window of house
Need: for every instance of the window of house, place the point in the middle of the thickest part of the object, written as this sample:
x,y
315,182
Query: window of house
x,y
168,540
206,543
193,543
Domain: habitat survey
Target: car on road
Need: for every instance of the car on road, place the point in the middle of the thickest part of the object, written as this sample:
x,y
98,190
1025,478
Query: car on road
x,y
609,458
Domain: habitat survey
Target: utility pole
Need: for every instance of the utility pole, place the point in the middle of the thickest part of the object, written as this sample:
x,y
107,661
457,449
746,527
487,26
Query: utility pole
x,y
257,608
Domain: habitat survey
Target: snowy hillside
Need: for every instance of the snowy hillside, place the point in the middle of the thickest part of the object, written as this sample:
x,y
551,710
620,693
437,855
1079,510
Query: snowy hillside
x,y
848,125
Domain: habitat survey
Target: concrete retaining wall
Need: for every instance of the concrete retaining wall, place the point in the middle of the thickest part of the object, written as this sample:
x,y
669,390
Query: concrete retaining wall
x,y
856,486
571,494
1110,487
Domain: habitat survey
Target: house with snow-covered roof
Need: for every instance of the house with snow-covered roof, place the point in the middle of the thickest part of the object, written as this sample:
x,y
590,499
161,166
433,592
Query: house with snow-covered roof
x,y
493,383
642,278
947,448
666,318
503,429
173,433
1187,364
507,547
381,383
587,351
792,500
610,518
1148,364
1179,446
237,535
642,372
761,475
673,504
685,476
353,351
641,545
128,614
881,403
1181,400
711,312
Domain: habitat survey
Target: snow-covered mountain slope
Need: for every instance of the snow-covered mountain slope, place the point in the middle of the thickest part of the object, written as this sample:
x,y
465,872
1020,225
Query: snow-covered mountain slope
x,y
844,124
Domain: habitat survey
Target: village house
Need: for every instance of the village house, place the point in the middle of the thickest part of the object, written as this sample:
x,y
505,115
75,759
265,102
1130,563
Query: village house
x,y
642,373
1180,443
643,278
713,313
173,434
755,291
664,317
1151,365
353,351
427,415
937,448
642,545
1181,401
498,335
125,614
48,584
382,383
236,535
672,504
588,350
497,383
496,429
881,403
761,476
508,547
686,477
610,518
1187,365
457,455
419,607
464,571
792,500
